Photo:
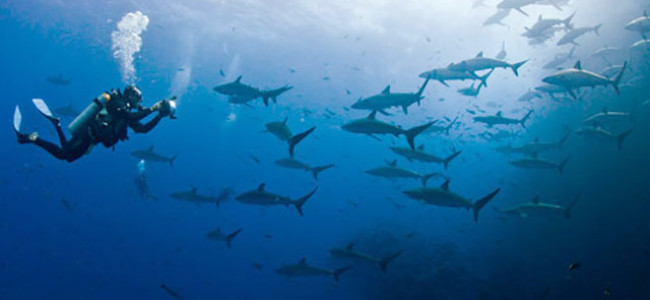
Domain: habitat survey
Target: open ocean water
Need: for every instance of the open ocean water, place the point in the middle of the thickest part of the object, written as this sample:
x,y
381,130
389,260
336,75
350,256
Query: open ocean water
x,y
569,219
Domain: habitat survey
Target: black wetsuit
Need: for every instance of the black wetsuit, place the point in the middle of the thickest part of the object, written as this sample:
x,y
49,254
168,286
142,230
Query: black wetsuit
x,y
109,127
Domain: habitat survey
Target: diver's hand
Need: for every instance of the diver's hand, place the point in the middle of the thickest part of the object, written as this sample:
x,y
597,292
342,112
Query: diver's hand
x,y
163,108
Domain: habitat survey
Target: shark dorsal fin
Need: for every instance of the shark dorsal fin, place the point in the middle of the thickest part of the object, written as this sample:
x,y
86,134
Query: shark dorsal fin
x,y
392,163
499,113
645,13
386,90
421,147
480,54
303,261
605,110
445,185
238,79
534,155
350,246
577,65
194,190
536,199
536,139
372,115
261,187
151,148
540,18
285,120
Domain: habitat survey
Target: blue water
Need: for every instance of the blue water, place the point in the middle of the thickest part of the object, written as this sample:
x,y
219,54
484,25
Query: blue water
x,y
112,244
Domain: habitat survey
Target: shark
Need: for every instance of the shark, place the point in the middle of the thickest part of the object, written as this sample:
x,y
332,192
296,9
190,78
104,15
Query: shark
x,y
194,197
240,93
150,155
438,128
529,95
533,162
516,5
279,129
499,119
552,90
292,163
542,25
442,196
537,146
479,63
560,59
260,196
555,3
419,154
599,132
443,75
608,117
470,91
370,125
66,111
571,36
350,253
219,235
391,170
386,99
502,53
497,17
236,88
58,80
536,208
302,269
575,78
640,24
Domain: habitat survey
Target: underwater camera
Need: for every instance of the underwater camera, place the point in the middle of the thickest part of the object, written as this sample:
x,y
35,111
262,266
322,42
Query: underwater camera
x,y
172,107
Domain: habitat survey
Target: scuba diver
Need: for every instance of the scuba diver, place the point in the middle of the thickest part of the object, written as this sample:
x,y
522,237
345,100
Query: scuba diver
x,y
104,121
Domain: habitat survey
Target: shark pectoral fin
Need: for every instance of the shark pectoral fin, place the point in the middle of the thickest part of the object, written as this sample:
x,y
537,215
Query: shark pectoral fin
x,y
372,136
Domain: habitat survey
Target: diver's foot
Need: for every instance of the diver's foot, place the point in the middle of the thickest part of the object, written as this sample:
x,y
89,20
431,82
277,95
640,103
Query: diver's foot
x,y
26,138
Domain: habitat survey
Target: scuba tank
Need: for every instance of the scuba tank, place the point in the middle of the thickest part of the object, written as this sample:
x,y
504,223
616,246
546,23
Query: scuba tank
x,y
80,123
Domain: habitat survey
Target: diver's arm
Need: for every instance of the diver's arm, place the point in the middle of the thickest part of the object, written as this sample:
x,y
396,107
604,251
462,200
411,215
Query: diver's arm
x,y
138,127
142,113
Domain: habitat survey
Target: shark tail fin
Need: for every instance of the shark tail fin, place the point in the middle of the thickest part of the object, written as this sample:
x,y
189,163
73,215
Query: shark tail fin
x,y
484,78
232,236
561,166
618,77
515,67
450,158
413,132
449,126
567,21
621,137
561,142
596,28
421,90
426,177
482,202
297,138
525,118
316,170
567,210
340,271
172,159
383,263
301,201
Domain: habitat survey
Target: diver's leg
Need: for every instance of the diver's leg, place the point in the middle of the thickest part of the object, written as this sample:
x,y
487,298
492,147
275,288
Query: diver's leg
x,y
59,132
53,149
76,148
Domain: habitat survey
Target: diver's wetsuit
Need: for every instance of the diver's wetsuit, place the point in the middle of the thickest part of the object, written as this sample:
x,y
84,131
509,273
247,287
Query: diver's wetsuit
x,y
108,127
